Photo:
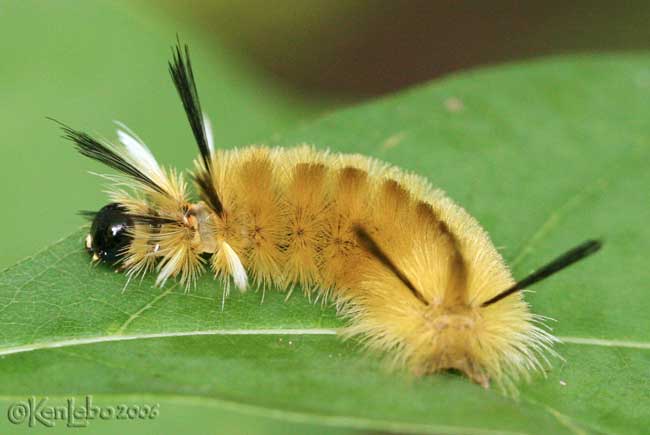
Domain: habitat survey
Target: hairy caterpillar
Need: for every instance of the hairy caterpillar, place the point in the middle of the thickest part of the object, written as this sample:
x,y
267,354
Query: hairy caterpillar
x,y
414,273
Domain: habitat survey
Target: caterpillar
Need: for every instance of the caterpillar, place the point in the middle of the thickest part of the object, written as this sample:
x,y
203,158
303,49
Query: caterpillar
x,y
413,273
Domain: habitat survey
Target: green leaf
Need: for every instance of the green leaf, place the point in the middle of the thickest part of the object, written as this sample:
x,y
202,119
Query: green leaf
x,y
544,154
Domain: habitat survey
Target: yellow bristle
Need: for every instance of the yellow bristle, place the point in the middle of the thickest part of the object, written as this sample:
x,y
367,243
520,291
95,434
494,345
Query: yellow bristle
x,y
306,204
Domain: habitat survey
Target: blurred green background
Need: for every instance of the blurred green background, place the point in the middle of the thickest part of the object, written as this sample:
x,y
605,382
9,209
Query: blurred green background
x,y
261,67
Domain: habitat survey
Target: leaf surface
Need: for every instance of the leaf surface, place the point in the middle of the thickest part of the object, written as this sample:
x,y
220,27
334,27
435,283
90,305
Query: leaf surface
x,y
544,154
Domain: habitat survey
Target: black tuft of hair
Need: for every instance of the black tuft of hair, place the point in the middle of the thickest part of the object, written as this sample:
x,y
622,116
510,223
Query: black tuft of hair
x,y
180,68
565,260
369,244
87,214
144,219
208,192
94,149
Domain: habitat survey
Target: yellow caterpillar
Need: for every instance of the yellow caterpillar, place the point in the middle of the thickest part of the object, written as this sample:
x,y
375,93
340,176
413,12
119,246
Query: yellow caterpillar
x,y
414,273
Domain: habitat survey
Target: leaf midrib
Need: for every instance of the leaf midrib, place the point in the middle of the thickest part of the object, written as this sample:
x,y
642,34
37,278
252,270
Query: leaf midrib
x,y
73,342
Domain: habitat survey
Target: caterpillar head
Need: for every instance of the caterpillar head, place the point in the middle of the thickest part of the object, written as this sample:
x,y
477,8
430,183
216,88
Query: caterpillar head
x,y
109,237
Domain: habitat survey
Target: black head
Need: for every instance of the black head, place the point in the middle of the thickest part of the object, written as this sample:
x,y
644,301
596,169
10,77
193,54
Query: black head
x,y
109,235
